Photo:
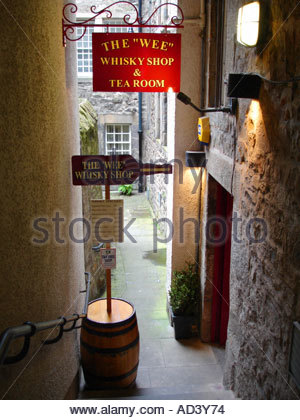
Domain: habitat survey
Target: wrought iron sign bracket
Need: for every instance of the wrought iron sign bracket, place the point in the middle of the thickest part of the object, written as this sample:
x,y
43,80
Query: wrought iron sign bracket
x,y
130,21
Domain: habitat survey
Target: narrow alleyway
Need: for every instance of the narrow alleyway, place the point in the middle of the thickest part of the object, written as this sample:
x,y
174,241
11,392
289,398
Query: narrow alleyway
x,y
168,369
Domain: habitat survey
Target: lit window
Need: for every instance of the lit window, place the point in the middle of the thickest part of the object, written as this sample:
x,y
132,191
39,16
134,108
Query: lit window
x,y
248,24
84,52
118,139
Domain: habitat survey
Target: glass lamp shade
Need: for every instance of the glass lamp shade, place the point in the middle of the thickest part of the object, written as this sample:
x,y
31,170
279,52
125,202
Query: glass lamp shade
x,y
248,24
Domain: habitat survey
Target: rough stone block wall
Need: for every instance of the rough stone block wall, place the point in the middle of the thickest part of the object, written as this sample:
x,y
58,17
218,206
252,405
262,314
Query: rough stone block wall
x,y
265,263
104,103
154,151
89,146
126,104
157,185
120,103
154,146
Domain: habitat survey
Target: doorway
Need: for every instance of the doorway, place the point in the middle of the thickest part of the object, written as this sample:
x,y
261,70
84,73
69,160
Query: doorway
x,y
221,271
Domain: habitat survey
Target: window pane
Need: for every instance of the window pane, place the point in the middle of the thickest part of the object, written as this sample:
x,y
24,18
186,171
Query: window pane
x,y
109,148
118,138
84,50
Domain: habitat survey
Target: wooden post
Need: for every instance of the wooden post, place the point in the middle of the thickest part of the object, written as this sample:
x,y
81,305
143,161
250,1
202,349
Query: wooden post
x,y
108,271
84,164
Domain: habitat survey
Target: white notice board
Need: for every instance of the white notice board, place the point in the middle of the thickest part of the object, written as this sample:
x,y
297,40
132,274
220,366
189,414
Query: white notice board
x,y
108,257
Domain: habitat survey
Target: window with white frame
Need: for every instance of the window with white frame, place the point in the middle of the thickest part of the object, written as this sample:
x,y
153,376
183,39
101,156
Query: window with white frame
x,y
84,52
118,139
116,28
84,45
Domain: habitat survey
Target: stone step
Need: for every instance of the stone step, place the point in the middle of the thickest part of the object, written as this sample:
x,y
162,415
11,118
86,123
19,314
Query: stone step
x,y
166,393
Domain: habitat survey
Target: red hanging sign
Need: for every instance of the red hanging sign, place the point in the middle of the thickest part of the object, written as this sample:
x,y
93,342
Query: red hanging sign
x,y
136,62
112,170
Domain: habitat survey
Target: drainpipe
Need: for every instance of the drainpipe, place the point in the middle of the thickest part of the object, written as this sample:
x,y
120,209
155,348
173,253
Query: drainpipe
x,y
202,35
140,129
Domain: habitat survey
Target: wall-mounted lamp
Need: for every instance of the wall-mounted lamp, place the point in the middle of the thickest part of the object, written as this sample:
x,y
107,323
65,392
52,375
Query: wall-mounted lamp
x,y
243,85
187,101
195,159
248,24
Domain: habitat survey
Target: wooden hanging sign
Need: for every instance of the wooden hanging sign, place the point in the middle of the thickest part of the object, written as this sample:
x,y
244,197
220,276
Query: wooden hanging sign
x,y
112,170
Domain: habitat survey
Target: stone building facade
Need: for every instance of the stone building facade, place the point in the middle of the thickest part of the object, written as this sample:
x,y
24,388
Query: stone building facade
x,y
112,108
89,145
122,108
265,275
155,126
253,165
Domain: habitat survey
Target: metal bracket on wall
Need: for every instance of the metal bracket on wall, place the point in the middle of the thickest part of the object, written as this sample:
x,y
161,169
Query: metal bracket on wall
x,y
29,329
129,21
231,108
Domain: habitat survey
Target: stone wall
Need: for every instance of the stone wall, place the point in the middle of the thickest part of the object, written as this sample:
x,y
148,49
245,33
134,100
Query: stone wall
x,y
154,150
256,158
155,128
123,108
89,146
182,136
41,276
120,108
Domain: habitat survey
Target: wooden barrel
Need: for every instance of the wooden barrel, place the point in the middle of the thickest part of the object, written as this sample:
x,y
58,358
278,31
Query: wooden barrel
x,y
109,345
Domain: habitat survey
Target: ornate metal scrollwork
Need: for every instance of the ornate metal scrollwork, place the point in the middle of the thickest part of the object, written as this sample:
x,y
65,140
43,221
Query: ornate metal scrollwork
x,y
129,20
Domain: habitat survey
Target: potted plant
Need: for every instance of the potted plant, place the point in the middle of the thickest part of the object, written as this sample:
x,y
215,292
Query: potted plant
x,y
125,189
184,301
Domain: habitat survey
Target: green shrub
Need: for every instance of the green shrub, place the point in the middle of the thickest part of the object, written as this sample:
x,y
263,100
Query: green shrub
x,y
125,189
185,291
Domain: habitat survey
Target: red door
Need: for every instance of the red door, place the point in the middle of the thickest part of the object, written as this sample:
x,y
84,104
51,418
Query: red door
x,y
220,298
